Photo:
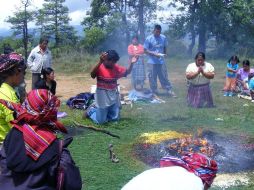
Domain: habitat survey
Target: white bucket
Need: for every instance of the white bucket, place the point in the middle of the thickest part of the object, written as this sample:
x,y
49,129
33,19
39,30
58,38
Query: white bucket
x,y
93,89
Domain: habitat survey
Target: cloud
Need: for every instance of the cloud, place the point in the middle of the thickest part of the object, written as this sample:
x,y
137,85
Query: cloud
x,y
77,17
77,10
74,5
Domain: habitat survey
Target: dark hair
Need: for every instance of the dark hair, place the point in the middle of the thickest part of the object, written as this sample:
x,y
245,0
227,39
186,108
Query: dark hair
x,y
200,54
112,56
246,62
46,71
8,49
14,64
43,39
157,27
135,36
234,58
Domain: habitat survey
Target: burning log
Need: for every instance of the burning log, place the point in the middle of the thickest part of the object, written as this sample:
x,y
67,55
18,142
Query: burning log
x,y
189,144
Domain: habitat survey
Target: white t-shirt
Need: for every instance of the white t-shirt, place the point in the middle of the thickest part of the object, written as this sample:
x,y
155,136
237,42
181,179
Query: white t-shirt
x,y
167,178
200,79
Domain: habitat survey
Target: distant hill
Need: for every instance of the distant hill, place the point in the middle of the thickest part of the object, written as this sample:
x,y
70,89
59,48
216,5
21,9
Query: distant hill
x,y
79,29
5,32
8,32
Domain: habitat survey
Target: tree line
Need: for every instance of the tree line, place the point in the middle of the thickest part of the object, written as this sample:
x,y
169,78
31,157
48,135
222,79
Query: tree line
x,y
217,26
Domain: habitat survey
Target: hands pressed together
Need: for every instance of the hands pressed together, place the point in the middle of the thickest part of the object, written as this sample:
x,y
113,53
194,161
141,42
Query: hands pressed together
x,y
200,70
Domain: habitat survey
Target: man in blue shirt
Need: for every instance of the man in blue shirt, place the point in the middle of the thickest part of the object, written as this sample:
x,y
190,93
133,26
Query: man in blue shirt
x,y
155,46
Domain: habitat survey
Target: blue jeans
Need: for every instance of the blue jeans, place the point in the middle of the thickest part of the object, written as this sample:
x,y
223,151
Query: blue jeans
x,y
160,71
103,115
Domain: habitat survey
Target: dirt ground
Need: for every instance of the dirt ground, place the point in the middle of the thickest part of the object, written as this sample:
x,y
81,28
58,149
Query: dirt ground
x,y
71,85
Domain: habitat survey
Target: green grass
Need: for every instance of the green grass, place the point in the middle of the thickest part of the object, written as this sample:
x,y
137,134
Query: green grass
x,y
90,149
74,62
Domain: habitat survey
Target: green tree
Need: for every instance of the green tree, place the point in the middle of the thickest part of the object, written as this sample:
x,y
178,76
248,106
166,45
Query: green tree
x,y
15,44
41,22
19,24
94,37
230,22
56,22
121,18
195,19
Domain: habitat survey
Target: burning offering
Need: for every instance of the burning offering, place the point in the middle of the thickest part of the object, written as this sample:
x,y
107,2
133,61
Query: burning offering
x,y
233,153
197,145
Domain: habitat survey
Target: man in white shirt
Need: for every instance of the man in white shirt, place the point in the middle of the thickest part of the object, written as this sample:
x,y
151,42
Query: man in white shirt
x,y
39,58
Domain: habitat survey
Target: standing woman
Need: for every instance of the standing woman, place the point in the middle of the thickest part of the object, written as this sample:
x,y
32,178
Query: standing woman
x,y
47,82
199,75
138,71
12,71
39,58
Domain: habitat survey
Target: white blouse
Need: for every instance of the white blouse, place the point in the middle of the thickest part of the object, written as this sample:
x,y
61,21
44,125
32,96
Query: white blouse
x,y
200,79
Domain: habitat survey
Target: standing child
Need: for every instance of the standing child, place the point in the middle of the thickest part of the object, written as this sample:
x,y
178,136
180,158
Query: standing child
x,y
107,72
231,74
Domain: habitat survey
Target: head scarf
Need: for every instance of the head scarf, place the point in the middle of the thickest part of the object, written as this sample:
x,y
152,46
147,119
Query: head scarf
x,y
197,163
36,118
9,61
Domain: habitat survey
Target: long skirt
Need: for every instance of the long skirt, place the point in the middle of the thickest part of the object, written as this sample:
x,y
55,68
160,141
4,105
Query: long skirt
x,y
138,73
200,96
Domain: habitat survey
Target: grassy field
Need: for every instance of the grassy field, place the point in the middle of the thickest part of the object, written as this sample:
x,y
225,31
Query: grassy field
x,y
90,149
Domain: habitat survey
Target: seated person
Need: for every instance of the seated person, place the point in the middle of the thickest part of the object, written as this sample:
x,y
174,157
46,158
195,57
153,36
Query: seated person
x,y
32,157
47,82
12,71
242,77
193,172
107,72
251,86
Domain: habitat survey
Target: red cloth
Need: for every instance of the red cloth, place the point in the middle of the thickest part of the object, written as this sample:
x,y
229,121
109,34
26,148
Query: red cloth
x,y
199,164
107,78
135,49
36,118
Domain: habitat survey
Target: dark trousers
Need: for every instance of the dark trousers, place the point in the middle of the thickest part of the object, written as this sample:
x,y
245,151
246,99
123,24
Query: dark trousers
x,y
160,71
35,78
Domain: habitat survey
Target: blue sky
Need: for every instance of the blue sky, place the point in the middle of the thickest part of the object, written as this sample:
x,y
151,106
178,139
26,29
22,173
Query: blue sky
x,y
77,10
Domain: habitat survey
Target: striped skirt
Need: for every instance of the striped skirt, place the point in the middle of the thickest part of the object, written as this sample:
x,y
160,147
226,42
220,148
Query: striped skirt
x,y
138,73
200,96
